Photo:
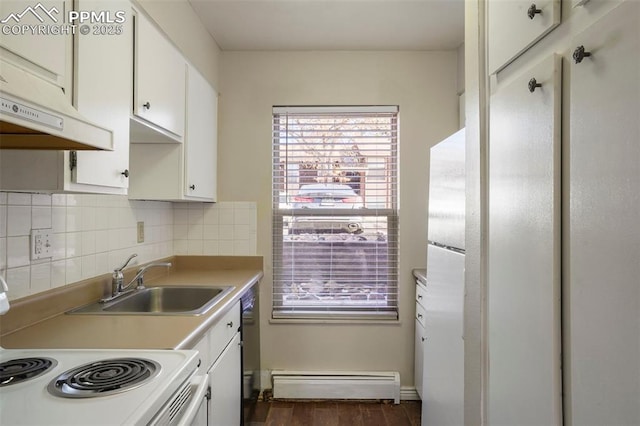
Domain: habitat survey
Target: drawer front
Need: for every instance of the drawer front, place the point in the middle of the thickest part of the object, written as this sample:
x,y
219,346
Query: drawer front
x,y
421,294
203,348
222,333
421,315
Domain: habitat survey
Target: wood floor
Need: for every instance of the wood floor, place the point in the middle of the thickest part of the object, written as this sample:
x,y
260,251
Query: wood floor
x,y
342,413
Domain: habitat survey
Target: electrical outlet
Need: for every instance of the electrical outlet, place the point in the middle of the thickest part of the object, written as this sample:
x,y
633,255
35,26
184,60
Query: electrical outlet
x,y
140,232
41,243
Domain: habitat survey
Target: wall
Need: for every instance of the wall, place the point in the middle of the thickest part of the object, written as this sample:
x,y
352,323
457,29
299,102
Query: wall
x,y
93,234
423,84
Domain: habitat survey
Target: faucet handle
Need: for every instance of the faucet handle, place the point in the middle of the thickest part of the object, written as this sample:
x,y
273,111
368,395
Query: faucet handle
x,y
125,263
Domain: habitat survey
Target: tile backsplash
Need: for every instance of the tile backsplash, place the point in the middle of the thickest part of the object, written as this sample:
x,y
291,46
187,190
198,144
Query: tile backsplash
x,y
93,234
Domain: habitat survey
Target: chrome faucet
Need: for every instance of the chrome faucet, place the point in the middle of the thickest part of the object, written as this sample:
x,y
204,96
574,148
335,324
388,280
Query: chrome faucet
x,y
117,279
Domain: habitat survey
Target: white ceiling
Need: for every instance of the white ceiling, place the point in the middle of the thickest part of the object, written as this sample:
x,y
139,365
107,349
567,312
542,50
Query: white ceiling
x,y
333,24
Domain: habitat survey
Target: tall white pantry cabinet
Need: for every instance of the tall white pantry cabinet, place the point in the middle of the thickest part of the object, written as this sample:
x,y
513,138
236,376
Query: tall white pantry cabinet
x,y
564,212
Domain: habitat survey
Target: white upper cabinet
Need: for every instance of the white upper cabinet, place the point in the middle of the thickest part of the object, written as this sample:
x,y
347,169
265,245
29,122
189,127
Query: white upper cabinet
x,y
48,55
159,86
524,249
187,171
603,274
515,25
201,138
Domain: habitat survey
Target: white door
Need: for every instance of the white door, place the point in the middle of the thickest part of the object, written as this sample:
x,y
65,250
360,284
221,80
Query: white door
x,y
603,259
226,379
103,91
515,25
524,250
201,137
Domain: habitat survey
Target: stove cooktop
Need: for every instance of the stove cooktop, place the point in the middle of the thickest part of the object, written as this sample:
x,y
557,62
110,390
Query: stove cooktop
x,y
77,386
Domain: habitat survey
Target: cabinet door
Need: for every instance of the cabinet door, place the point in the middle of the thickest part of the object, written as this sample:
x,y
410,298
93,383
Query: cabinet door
x,y
47,55
604,223
515,25
201,138
524,250
103,91
226,377
419,357
159,78
443,369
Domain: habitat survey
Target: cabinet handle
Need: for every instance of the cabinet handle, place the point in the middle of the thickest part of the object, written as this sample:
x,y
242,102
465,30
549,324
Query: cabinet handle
x,y
125,173
147,105
579,54
423,338
192,187
230,324
419,296
419,315
533,83
533,11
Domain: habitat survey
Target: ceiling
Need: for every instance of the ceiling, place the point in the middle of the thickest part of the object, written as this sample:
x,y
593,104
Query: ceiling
x,y
333,24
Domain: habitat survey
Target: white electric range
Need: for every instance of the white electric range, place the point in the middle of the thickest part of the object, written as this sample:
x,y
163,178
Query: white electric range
x,y
98,387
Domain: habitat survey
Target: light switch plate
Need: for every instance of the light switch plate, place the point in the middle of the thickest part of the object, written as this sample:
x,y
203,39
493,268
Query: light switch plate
x,y
140,232
41,243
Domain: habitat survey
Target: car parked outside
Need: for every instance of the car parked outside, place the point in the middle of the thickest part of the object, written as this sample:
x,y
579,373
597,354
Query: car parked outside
x,y
326,196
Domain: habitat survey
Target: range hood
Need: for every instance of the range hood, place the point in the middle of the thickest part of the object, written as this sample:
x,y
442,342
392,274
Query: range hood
x,y
35,114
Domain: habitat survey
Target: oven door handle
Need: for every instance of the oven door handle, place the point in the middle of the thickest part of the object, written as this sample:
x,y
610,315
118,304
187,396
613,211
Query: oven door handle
x,y
202,386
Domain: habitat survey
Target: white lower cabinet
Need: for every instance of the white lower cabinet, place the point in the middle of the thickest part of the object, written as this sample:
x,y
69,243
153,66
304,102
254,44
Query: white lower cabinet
x,y
221,357
225,380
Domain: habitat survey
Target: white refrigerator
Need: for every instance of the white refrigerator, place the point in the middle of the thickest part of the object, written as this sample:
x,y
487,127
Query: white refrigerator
x,y
443,361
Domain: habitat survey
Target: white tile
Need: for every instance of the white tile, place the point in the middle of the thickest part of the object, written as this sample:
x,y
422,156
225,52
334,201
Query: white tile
x,y
241,248
73,200
244,204
225,247
102,263
3,220
19,199
211,215
59,219
74,244
41,217
88,218
196,216
59,200
210,247
194,247
59,246
101,218
74,219
18,281
181,247
211,232
17,252
114,219
226,216
128,237
3,253
195,232
181,231
3,198
241,232
181,217
114,240
242,216
88,242
40,200
88,266
226,232
40,277
73,270
180,206
18,220
102,241
58,273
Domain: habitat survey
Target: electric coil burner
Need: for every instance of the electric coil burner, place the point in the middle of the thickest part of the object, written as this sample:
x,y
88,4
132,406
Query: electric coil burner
x,y
104,377
22,369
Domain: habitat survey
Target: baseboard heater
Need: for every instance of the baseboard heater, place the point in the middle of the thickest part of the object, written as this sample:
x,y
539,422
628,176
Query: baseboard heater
x,y
336,385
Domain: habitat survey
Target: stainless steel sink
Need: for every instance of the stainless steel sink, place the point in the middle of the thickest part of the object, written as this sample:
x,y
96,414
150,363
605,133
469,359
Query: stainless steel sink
x,y
176,300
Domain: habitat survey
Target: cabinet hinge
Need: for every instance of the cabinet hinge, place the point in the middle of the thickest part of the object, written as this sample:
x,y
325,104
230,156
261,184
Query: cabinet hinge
x,y
208,394
73,160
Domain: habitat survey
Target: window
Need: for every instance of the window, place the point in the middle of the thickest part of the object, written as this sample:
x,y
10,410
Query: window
x,y
335,212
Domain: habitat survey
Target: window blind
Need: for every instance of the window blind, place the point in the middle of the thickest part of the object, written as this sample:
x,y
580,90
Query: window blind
x,y
335,212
